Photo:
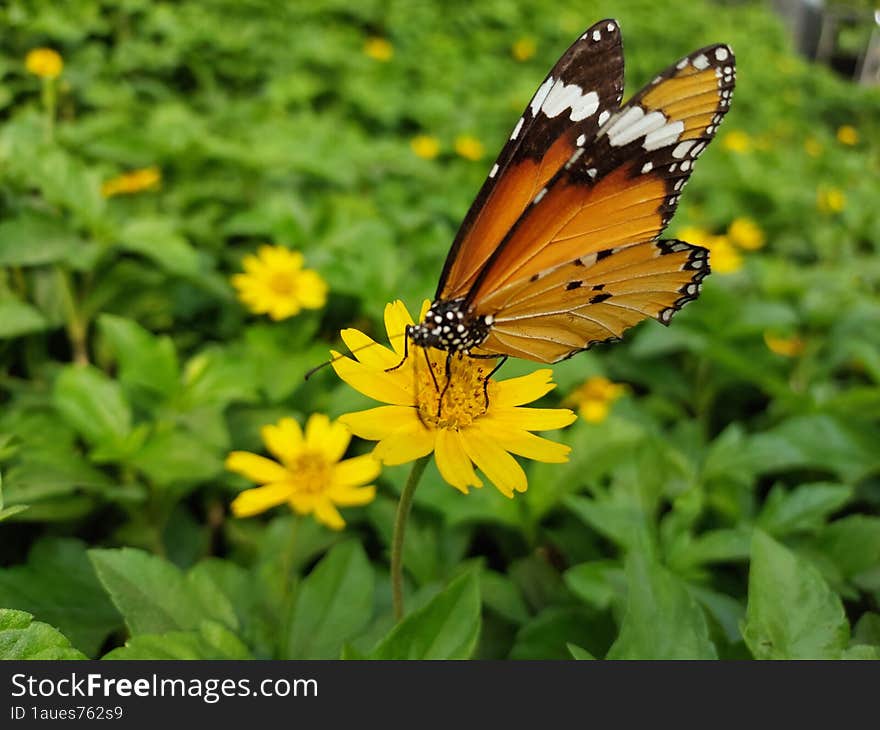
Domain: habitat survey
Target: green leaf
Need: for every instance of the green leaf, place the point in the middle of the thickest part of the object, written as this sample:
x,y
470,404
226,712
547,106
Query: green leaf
x,y
662,620
579,653
145,360
446,628
177,457
211,641
597,582
59,585
333,604
93,404
32,240
158,239
853,545
154,596
18,318
548,634
804,508
23,638
792,613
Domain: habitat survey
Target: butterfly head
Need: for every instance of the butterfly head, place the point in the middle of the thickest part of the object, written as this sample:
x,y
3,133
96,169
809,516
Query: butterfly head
x,y
448,325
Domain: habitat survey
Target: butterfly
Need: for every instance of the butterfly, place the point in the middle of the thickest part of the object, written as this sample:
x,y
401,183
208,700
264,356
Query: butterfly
x,y
561,248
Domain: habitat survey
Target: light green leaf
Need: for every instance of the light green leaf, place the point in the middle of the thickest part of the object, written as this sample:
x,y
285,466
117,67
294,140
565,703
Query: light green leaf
x,y
853,545
792,613
662,620
145,360
23,638
803,508
446,628
333,604
579,653
93,404
211,641
31,240
177,457
58,585
18,318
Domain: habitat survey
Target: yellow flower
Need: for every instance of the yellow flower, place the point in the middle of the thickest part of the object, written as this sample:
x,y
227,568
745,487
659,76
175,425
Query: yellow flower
x,y
813,147
594,398
147,178
830,200
469,147
275,283
848,135
696,236
379,49
723,256
464,431
524,49
737,141
44,62
425,146
745,233
785,346
308,475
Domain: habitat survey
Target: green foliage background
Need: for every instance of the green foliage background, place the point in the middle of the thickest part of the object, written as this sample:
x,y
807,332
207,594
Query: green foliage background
x,y
728,506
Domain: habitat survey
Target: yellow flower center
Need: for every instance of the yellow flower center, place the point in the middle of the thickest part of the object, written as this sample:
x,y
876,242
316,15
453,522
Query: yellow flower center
x,y
282,283
311,472
464,399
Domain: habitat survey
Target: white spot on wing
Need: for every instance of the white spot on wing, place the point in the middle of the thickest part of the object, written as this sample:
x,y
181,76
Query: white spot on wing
x,y
701,62
597,35
580,140
540,95
494,171
539,196
721,54
610,27
647,167
632,124
681,64
517,128
603,117
681,149
570,96
665,135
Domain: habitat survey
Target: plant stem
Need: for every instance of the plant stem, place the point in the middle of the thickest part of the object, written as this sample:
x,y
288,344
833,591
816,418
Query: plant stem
x,y
77,329
49,103
403,508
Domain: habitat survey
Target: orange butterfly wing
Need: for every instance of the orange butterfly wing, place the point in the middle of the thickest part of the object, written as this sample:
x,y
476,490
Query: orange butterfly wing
x,y
583,263
581,91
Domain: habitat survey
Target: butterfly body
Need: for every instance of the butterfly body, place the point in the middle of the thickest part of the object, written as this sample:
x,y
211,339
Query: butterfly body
x,y
561,248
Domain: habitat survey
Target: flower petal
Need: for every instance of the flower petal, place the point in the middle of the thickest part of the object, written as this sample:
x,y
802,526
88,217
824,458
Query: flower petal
x,y
327,514
376,385
499,466
311,289
523,443
302,502
325,437
594,411
375,424
257,468
525,389
253,501
532,419
368,351
406,444
356,471
284,440
348,497
397,318
453,462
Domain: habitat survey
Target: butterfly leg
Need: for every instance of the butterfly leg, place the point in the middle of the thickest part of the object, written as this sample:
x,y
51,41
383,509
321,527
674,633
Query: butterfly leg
x,y
406,353
491,373
448,374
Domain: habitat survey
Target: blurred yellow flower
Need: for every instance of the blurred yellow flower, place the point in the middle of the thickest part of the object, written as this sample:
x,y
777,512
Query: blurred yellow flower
x,y
136,181
813,147
830,200
737,141
469,147
745,233
275,283
379,49
594,397
695,235
723,256
44,62
308,475
461,432
425,146
847,135
524,49
785,346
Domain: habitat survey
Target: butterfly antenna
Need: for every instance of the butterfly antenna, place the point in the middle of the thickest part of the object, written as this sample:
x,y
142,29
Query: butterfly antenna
x,y
336,358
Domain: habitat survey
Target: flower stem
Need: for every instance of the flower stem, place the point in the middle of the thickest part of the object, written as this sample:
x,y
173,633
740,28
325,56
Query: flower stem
x,y
403,508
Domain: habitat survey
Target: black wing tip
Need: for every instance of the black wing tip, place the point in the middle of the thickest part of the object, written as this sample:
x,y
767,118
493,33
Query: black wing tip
x,y
601,29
